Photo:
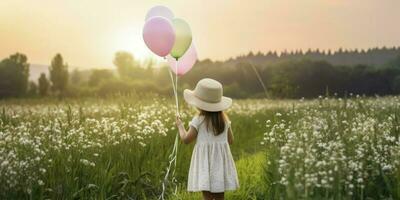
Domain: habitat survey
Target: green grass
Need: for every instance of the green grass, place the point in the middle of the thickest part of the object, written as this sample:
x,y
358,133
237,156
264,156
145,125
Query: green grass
x,y
118,148
252,186
100,149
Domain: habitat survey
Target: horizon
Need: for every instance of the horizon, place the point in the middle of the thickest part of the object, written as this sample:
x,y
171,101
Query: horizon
x,y
37,68
278,53
89,33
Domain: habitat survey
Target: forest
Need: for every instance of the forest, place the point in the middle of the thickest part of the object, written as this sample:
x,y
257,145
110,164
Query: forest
x,y
294,74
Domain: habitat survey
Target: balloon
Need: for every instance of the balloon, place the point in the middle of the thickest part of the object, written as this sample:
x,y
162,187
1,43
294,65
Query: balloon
x,y
159,11
185,63
159,35
183,38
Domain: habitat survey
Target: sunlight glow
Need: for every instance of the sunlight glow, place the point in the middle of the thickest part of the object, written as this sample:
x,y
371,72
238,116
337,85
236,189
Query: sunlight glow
x,y
130,39
88,33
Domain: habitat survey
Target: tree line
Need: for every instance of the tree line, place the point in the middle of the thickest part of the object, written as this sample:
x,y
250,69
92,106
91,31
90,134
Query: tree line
x,y
297,78
14,76
372,56
288,75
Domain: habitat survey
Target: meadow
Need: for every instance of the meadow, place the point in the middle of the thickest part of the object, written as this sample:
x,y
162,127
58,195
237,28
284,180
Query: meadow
x,y
118,148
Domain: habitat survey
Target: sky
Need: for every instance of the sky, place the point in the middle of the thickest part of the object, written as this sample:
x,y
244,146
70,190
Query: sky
x,y
89,32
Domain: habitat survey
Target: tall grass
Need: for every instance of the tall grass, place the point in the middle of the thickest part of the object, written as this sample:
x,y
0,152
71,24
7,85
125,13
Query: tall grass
x,y
118,148
336,149
91,149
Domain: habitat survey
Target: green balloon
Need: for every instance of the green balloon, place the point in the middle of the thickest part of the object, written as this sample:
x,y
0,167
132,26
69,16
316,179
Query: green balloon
x,y
183,38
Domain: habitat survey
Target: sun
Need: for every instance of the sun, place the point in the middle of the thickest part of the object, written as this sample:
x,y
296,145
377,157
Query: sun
x,y
130,39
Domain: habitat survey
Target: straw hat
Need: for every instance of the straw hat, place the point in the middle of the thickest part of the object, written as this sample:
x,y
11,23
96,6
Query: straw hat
x,y
207,96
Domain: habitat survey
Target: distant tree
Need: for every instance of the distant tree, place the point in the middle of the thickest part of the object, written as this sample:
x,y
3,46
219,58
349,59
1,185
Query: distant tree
x,y
394,63
148,65
14,74
76,77
43,85
259,54
99,75
32,89
396,85
308,52
58,75
126,64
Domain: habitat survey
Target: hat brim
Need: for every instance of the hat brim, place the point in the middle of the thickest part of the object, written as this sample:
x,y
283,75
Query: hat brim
x,y
191,99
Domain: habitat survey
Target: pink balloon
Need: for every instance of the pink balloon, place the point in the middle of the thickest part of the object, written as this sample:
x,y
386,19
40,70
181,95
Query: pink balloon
x,y
185,63
159,35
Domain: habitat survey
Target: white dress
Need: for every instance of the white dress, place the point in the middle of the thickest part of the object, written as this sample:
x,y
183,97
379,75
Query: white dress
x,y
212,167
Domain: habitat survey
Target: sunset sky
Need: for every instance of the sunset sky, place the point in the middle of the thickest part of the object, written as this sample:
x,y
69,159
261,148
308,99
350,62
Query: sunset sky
x,y
89,32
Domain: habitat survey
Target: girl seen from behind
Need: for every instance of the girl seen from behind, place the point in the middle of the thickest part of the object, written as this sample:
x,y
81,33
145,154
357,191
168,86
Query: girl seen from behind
x,y
212,168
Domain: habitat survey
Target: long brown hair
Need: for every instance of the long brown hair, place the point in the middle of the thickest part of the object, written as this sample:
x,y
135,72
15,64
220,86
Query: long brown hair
x,y
217,120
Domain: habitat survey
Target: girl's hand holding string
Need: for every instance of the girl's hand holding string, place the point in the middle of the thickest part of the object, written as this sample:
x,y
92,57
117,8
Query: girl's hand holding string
x,y
186,136
178,121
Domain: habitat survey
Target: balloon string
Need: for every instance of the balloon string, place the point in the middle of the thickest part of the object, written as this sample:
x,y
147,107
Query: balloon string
x,y
172,160
177,112
173,85
176,87
172,157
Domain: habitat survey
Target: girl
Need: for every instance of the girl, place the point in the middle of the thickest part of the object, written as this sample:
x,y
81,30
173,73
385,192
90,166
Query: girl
x,y
212,169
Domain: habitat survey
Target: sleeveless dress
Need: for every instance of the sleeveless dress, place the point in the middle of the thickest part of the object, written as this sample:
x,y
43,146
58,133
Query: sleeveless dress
x,y
212,167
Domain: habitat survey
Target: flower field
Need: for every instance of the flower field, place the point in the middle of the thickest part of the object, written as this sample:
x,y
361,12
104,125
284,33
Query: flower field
x,y
118,148
335,149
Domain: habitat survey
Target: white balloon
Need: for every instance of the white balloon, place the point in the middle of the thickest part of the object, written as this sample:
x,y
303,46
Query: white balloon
x,y
160,11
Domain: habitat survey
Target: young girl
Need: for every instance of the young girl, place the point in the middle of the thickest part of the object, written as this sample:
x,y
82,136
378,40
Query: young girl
x,y
212,169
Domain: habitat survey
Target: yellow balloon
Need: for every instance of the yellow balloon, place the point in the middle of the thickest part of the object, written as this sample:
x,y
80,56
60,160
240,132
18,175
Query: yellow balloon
x,y
183,38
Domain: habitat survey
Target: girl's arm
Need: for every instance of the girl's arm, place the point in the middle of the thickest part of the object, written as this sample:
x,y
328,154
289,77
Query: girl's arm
x,y
230,136
186,136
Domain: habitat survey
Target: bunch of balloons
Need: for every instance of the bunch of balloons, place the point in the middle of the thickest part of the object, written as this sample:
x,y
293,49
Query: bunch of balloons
x,y
171,38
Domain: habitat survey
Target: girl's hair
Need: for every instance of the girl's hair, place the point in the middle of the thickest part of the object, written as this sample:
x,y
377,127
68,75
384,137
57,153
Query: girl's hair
x,y
217,120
